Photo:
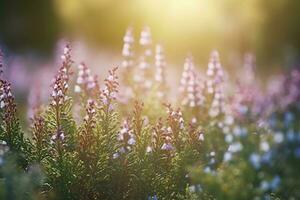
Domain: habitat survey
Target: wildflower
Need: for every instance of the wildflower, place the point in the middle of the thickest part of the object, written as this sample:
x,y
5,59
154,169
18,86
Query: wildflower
x,y
85,81
152,197
175,119
201,136
214,73
192,188
58,136
167,147
146,40
275,182
110,90
2,104
145,72
1,63
255,160
160,76
158,134
3,147
160,64
264,185
228,138
278,137
235,147
229,120
291,135
237,131
249,69
90,113
7,102
127,51
148,149
227,156
264,146
115,155
218,102
60,84
194,120
249,98
207,170
126,137
191,87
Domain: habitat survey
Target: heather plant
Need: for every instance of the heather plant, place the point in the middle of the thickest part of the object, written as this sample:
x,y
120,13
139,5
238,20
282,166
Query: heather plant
x,y
123,139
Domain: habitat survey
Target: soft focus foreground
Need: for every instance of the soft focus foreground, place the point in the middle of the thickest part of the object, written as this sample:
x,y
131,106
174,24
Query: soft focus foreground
x,y
137,136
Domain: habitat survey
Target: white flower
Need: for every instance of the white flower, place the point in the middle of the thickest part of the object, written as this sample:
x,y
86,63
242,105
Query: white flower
x,y
66,50
110,78
229,120
229,138
53,137
148,149
235,147
210,90
115,155
80,67
2,104
53,94
62,136
77,89
59,93
192,188
53,103
194,120
201,137
80,73
192,104
264,146
278,137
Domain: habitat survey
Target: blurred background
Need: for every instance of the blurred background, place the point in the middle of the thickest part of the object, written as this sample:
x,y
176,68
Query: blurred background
x,y
31,32
269,29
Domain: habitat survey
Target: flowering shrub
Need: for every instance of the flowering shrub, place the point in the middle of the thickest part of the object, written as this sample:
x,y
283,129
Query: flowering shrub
x,y
128,142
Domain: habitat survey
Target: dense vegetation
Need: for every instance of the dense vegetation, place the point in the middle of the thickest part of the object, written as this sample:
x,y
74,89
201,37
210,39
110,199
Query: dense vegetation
x,y
218,138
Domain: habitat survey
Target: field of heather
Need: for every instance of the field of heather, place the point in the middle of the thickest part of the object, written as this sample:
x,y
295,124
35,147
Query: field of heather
x,y
165,100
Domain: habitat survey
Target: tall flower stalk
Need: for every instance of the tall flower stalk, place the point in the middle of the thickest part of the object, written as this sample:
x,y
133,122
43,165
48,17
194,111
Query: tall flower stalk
x,y
160,72
191,89
10,130
145,69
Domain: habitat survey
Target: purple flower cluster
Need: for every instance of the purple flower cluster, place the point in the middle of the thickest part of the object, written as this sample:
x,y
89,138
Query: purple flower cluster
x,y
160,72
110,90
60,83
191,87
126,137
85,81
127,51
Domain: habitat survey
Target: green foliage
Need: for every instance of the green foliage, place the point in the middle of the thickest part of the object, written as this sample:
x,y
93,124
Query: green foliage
x,y
158,152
